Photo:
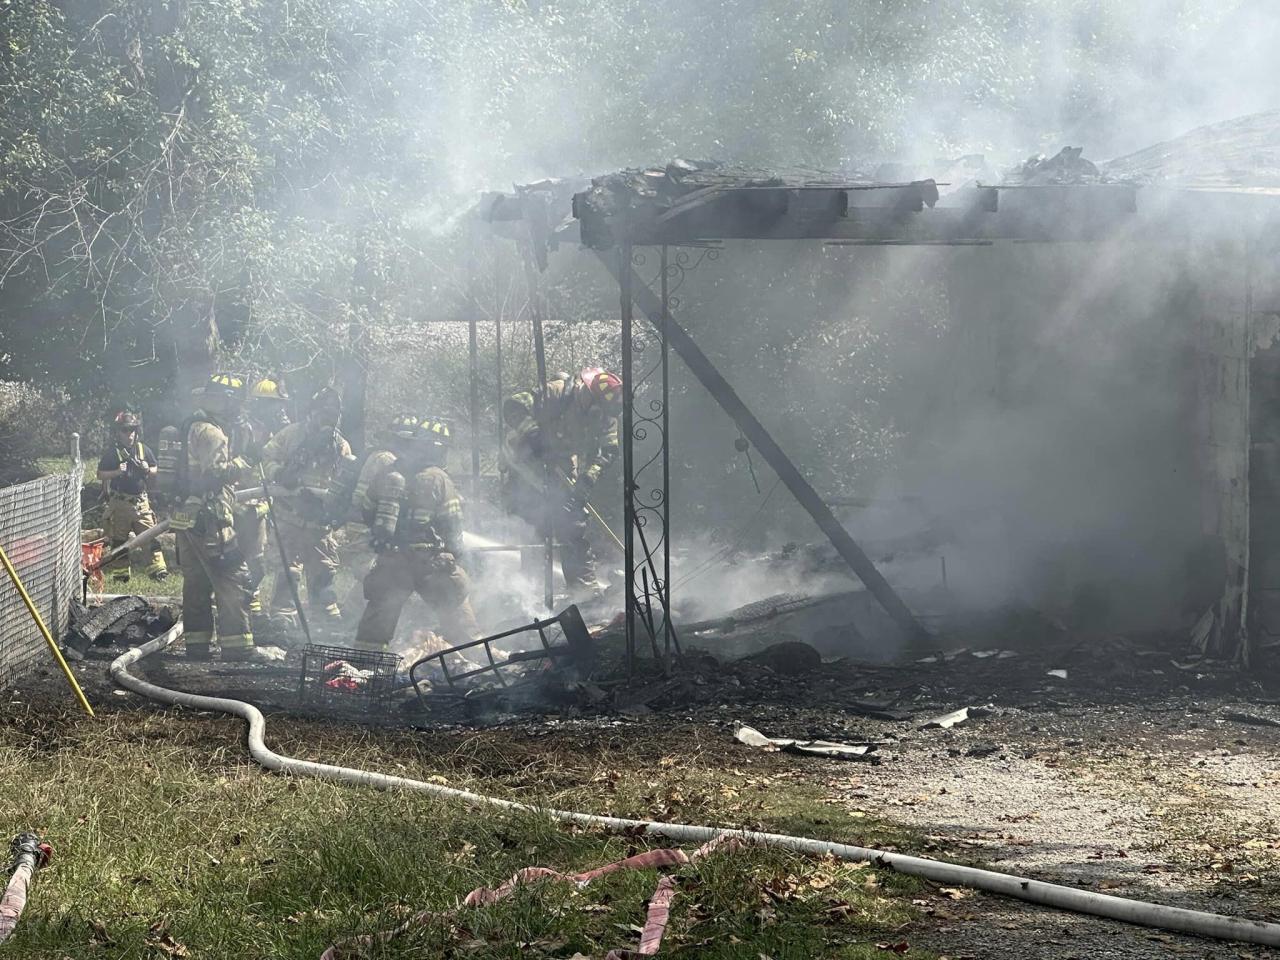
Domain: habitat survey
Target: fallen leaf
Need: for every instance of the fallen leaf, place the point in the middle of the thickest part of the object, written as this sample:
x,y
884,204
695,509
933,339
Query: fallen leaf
x,y
160,938
900,947
100,934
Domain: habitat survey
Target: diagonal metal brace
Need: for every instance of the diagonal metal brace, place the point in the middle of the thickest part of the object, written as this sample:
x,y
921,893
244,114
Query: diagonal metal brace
x,y
700,366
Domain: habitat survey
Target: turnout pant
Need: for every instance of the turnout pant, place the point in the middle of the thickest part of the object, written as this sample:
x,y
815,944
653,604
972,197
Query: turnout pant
x,y
313,561
556,515
127,516
251,535
433,575
209,578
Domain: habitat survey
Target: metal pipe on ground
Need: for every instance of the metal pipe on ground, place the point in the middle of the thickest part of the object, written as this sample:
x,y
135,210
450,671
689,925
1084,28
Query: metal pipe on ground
x,y
700,366
1139,912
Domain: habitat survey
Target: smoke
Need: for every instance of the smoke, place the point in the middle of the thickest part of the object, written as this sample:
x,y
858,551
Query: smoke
x,y
1028,422
512,93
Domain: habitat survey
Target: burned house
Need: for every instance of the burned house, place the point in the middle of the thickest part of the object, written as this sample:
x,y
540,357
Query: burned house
x,y
1098,426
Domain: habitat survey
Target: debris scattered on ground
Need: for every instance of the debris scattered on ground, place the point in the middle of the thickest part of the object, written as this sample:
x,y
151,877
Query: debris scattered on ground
x,y
981,750
790,658
121,621
817,748
1060,674
1252,719
876,711
956,718
945,656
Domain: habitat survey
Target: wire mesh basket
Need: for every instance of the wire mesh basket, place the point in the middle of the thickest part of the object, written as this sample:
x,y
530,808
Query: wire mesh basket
x,y
346,677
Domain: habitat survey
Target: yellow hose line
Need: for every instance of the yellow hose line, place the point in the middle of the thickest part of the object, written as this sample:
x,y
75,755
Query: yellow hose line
x,y
592,510
44,630
607,528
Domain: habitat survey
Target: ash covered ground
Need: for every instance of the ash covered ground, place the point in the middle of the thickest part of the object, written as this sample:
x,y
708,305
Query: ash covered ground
x,y
1116,765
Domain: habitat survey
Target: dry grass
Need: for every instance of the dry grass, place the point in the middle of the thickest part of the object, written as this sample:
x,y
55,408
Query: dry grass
x,y
171,843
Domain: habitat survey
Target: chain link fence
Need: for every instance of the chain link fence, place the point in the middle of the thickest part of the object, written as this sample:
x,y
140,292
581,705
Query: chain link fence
x,y
40,532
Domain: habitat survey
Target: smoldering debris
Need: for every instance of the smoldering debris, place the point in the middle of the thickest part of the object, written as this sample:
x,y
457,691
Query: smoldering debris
x,y
1068,166
481,667
790,658
121,621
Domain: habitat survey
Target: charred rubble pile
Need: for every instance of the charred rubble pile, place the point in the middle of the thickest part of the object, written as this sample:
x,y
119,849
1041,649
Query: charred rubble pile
x,y
721,197
124,621
783,654
1068,166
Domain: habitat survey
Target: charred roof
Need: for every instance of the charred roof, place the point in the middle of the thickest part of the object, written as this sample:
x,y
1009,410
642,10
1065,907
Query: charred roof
x,y
1236,156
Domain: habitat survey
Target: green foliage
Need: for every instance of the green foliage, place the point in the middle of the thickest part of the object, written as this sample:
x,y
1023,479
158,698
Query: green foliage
x,y
281,186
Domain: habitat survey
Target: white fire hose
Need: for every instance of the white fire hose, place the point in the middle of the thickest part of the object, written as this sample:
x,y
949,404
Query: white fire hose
x,y
1054,895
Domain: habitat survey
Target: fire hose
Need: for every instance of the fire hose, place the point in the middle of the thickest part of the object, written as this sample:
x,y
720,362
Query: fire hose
x,y
29,853
146,536
1058,896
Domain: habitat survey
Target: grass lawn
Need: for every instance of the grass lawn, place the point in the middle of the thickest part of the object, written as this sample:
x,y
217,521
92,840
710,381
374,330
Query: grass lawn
x,y
170,843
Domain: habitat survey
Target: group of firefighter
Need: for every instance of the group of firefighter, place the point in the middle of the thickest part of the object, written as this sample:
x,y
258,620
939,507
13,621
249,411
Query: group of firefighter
x,y
238,462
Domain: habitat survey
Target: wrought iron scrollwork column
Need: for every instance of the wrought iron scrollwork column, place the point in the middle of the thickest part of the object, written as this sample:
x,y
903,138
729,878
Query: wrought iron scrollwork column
x,y
628,454
646,433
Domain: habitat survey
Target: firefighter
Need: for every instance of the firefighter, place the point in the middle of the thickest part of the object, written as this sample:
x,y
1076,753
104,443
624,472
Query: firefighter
x,y
266,414
125,470
414,516
302,459
554,452
213,564
268,410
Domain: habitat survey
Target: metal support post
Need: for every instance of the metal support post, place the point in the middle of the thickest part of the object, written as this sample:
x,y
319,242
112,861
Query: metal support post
x,y
497,341
540,355
628,459
473,356
664,589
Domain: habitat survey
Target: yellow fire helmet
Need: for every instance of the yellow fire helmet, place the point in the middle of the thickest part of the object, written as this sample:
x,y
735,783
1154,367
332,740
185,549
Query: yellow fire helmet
x,y
227,385
268,389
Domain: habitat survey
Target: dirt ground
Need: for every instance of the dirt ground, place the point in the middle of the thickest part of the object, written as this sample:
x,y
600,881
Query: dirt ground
x,y
1139,773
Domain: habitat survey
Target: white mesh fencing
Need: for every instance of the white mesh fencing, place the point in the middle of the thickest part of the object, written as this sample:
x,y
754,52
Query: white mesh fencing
x,y
40,532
